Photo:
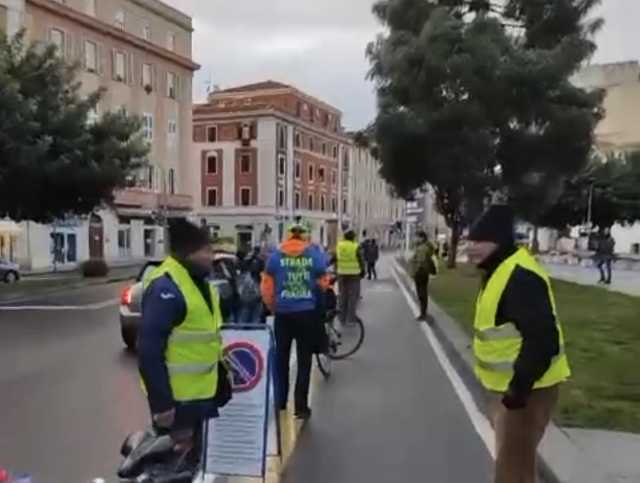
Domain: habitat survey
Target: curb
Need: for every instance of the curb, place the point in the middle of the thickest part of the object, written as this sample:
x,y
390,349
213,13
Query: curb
x,y
56,290
560,459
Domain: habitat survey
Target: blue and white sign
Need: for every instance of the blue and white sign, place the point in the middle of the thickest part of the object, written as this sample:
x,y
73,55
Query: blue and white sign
x,y
237,440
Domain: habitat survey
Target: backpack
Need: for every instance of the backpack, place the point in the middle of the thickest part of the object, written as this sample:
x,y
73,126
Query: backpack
x,y
248,289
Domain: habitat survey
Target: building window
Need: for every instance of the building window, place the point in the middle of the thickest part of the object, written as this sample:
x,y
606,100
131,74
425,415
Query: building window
x,y
124,242
147,126
334,205
57,39
344,205
335,152
172,181
147,78
310,203
312,146
323,203
150,177
212,196
146,32
245,196
119,19
119,67
212,164
282,137
324,149
171,41
172,131
311,173
296,200
212,134
321,175
298,173
334,177
298,140
90,7
171,85
282,166
245,164
90,56
280,198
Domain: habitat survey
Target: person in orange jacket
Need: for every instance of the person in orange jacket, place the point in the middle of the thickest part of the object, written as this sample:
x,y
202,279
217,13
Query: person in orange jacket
x,y
292,285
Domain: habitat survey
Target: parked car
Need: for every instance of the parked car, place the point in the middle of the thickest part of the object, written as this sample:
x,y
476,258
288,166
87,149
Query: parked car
x,y
9,271
131,303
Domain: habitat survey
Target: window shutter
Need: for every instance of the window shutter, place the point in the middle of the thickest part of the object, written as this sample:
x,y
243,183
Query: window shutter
x,y
178,95
100,60
155,79
203,170
113,64
199,134
68,46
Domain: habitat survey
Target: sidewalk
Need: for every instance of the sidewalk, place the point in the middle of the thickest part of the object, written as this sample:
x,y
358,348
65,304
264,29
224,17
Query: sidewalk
x,y
389,413
624,281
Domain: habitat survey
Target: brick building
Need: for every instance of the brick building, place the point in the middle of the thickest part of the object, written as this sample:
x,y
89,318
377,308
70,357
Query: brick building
x,y
265,153
140,51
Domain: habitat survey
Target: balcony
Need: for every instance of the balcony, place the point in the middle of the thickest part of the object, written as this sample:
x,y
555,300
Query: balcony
x,y
147,201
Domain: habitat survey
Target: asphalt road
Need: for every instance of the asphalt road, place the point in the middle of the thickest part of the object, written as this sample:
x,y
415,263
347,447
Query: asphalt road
x,y
389,413
68,392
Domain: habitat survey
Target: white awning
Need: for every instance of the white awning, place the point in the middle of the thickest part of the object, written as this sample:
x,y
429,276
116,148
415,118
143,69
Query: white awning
x,y
8,227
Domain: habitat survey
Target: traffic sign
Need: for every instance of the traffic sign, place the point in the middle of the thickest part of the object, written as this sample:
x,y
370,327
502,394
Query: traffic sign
x,y
246,364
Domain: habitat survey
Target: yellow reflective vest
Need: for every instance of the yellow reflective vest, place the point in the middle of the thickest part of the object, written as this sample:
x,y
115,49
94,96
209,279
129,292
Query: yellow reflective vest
x,y
497,348
194,348
348,263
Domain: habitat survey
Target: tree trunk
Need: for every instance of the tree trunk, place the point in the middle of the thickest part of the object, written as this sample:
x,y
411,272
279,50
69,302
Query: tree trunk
x,y
453,248
535,243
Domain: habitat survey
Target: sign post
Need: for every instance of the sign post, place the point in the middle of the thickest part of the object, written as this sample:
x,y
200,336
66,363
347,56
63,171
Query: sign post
x,y
237,442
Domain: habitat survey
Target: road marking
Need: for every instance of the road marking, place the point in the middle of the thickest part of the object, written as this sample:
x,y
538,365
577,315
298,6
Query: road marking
x,y
59,308
478,419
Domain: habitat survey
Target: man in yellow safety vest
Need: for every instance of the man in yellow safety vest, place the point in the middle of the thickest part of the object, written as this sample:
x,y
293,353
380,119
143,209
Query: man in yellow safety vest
x,y
518,344
180,344
351,270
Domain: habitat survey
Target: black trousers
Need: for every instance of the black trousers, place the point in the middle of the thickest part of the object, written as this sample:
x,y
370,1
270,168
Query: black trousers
x,y
604,265
371,271
301,327
422,289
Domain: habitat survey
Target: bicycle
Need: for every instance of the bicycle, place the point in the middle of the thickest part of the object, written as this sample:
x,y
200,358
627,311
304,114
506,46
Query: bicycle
x,y
342,340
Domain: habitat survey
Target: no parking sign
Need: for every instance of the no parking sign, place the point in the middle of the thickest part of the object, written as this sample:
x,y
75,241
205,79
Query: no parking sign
x,y
236,442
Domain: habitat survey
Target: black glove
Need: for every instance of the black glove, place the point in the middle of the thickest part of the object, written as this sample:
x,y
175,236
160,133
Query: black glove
x,y
514,400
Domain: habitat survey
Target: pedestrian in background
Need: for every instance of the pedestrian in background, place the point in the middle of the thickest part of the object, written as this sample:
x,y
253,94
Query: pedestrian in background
x,y
422,267
518,345
250,310
290,286
351,270
605,255
371,253
181,322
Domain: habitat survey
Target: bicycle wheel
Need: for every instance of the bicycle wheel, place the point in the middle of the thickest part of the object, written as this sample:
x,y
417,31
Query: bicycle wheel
x,y
324,364
350,336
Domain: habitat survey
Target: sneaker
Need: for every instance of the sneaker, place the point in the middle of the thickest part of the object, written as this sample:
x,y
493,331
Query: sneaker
x,y
303,414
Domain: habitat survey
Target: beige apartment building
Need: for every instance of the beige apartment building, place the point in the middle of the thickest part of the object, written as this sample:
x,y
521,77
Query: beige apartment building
x,y
374,208
141,52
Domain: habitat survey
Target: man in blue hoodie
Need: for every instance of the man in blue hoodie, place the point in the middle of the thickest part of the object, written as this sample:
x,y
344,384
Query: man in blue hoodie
x,y
291,285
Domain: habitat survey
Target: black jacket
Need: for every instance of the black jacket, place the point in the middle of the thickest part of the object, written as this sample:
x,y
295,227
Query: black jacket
x,y
526,303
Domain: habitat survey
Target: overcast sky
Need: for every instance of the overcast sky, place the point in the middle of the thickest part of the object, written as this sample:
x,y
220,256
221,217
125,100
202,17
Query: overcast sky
x,y
318,46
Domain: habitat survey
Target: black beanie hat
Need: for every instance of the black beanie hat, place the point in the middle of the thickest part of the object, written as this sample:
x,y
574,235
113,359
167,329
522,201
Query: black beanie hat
x,y
494,225
186,238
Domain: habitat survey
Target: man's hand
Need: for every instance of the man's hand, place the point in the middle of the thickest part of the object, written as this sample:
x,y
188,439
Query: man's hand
x,y
165,420
514,401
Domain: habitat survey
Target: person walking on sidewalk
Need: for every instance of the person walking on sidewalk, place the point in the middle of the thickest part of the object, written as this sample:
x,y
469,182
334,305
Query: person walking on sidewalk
x,y
605,254
180,344
518,344
294,275
351,270
371,253
422,267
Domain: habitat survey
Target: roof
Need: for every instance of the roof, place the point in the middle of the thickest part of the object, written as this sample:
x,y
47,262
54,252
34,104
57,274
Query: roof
x,y
258,86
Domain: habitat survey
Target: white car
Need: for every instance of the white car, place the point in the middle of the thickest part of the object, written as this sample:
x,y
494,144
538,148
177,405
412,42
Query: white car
x,y
9,271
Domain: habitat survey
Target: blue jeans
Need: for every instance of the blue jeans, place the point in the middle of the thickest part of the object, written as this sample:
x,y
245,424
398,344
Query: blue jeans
x,y
249,314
